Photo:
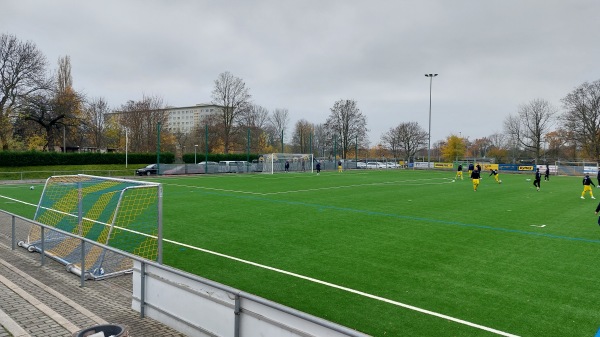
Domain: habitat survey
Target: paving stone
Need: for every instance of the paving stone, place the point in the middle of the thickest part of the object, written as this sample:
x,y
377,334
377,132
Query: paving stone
x,y
108,300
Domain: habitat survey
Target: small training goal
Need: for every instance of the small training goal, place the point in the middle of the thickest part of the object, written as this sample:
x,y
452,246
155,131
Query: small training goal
x,y
119,213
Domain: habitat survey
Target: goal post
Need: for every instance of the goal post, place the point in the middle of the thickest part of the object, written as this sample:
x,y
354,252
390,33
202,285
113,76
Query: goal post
x,y
295,162
120,213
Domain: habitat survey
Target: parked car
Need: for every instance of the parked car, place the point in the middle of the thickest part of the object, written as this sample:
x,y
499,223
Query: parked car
x,y
391,164
146,171
361,165
179,169
375,165
208,167
233,166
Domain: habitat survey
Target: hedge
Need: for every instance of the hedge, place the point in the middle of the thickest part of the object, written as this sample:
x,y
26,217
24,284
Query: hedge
x,y
35,158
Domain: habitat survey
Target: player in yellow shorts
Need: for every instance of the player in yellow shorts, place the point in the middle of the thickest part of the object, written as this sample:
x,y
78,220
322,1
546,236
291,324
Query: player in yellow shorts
x,y
459,172
475,178
495,174
587,186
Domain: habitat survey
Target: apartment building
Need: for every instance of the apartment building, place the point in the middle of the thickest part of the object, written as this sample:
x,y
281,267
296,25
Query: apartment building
x,y
185,119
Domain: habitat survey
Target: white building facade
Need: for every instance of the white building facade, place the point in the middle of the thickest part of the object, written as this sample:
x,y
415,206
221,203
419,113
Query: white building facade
x,y
186,119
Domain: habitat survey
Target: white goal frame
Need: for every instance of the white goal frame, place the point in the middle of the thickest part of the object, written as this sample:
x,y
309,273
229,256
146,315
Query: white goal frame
x,y
275,162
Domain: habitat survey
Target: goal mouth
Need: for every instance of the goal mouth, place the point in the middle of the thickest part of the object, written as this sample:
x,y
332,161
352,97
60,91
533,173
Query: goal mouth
x,y
119,213
287,162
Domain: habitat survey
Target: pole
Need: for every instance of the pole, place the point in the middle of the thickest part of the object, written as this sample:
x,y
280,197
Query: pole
x,y
206,150
356,150
126,143
431,76
247,151
195,150
281,141
158,149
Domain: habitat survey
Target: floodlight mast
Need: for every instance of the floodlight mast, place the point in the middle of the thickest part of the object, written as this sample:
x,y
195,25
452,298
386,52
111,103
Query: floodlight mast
x,y
431,76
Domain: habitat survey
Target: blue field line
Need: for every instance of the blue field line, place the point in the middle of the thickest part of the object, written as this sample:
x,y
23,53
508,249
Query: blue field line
x,y
406,217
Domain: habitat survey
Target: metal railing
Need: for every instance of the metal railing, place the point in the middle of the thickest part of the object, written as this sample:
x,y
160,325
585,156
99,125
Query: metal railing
x,y
244,304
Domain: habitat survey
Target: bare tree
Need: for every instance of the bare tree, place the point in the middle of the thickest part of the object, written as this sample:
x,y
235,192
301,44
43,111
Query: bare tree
x,y
319,139
410,137
390,141
22,74
141,118
534,120
231,94
302,136
68,103
255,119
498,140
94,125
278,125
582,117
63,77
512,129
346,123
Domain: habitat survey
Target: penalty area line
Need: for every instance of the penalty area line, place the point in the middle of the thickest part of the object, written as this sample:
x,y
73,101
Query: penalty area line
x,y
350,290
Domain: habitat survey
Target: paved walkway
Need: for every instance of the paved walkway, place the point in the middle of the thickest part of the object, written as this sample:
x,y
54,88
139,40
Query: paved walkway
x,y
47,300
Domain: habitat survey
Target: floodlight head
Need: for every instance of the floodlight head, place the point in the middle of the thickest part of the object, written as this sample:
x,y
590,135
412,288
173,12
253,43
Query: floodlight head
x,y
431,75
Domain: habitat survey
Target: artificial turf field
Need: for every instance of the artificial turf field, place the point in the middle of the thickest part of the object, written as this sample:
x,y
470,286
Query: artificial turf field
x,y
392,252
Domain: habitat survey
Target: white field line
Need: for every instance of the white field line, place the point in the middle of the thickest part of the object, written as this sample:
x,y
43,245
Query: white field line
x,y
396,182
350,290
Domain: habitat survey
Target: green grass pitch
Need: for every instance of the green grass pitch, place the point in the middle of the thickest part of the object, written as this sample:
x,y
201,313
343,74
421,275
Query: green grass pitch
x,y
360,247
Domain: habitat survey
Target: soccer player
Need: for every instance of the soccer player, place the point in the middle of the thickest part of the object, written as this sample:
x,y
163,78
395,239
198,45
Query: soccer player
x,y
598,210
459,172
598,177
318,167
475,178
587,181
340,166
538,178
495,174
471,168
287,166
547,175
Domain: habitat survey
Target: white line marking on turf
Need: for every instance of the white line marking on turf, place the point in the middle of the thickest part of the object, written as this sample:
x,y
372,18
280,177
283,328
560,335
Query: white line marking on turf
x,y
540,226
350,290
395,182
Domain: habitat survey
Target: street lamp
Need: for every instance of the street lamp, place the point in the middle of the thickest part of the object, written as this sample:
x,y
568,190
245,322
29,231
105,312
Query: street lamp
x,y
195,150
431,76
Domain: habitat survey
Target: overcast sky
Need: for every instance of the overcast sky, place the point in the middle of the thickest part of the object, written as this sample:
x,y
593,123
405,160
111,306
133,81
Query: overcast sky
x,y
303,55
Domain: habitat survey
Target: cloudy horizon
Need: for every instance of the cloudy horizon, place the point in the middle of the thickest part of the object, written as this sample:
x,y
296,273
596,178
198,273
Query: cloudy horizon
x,y
303,56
